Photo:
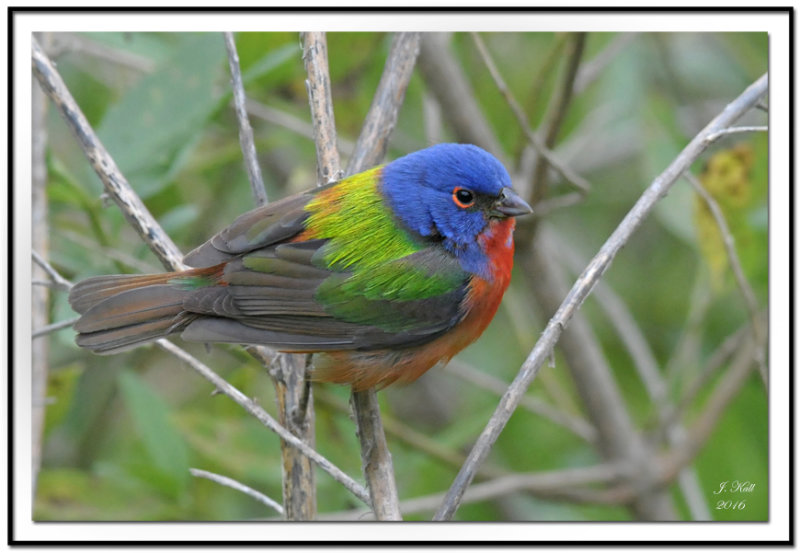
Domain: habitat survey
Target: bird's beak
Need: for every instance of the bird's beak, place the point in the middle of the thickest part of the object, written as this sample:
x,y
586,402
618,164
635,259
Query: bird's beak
x,y
510,205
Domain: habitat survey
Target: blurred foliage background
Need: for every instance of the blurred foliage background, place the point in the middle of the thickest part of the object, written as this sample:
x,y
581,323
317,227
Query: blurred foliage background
x,y
121,432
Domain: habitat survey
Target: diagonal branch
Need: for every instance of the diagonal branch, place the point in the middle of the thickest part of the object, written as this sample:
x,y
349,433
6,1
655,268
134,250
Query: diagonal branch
x,y
116,185
382,115
583,287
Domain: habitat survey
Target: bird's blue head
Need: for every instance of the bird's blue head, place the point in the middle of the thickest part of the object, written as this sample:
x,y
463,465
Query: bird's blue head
x,y
451,192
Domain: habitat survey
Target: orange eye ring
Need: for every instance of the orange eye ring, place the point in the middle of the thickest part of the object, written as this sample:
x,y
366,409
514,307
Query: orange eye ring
x,y
463,197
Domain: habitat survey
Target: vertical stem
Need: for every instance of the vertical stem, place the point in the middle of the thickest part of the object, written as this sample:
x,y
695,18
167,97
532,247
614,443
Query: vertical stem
x,y
318,85
293,396
375,457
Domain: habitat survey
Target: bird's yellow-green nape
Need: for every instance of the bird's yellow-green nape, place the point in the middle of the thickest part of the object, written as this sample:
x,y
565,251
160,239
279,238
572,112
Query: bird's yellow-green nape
x,y
360,229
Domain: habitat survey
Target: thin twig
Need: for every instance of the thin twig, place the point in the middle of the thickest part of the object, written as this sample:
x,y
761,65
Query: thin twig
x,y
49,329
736,266
583,286
569,175
549,205
103,164
734,130
238,486
245,130
60,282
725,350
265,418
108,253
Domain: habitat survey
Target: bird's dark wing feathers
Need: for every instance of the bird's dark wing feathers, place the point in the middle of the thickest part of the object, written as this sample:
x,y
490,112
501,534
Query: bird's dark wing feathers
x,y
270,298
261,227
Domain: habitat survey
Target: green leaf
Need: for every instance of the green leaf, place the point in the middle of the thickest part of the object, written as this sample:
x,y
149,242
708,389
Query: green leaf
x,y
147,129
164,445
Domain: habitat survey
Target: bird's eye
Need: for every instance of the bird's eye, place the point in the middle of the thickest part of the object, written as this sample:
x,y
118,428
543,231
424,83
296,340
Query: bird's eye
x,y
463,197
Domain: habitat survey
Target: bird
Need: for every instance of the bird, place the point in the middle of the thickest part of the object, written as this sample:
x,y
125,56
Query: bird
x,y
382,274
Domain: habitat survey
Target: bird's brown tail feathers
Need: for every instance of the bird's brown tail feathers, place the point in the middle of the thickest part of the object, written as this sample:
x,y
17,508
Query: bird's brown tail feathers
x,y
119,312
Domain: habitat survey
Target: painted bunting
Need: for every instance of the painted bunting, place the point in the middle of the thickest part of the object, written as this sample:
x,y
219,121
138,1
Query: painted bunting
x,y
383,274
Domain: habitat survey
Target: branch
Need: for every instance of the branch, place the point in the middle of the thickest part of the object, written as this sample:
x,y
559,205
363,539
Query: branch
x,y
245,130
376,459
382,115
318,85
734,130
103,164
60,282
238,486
582,288
49,329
